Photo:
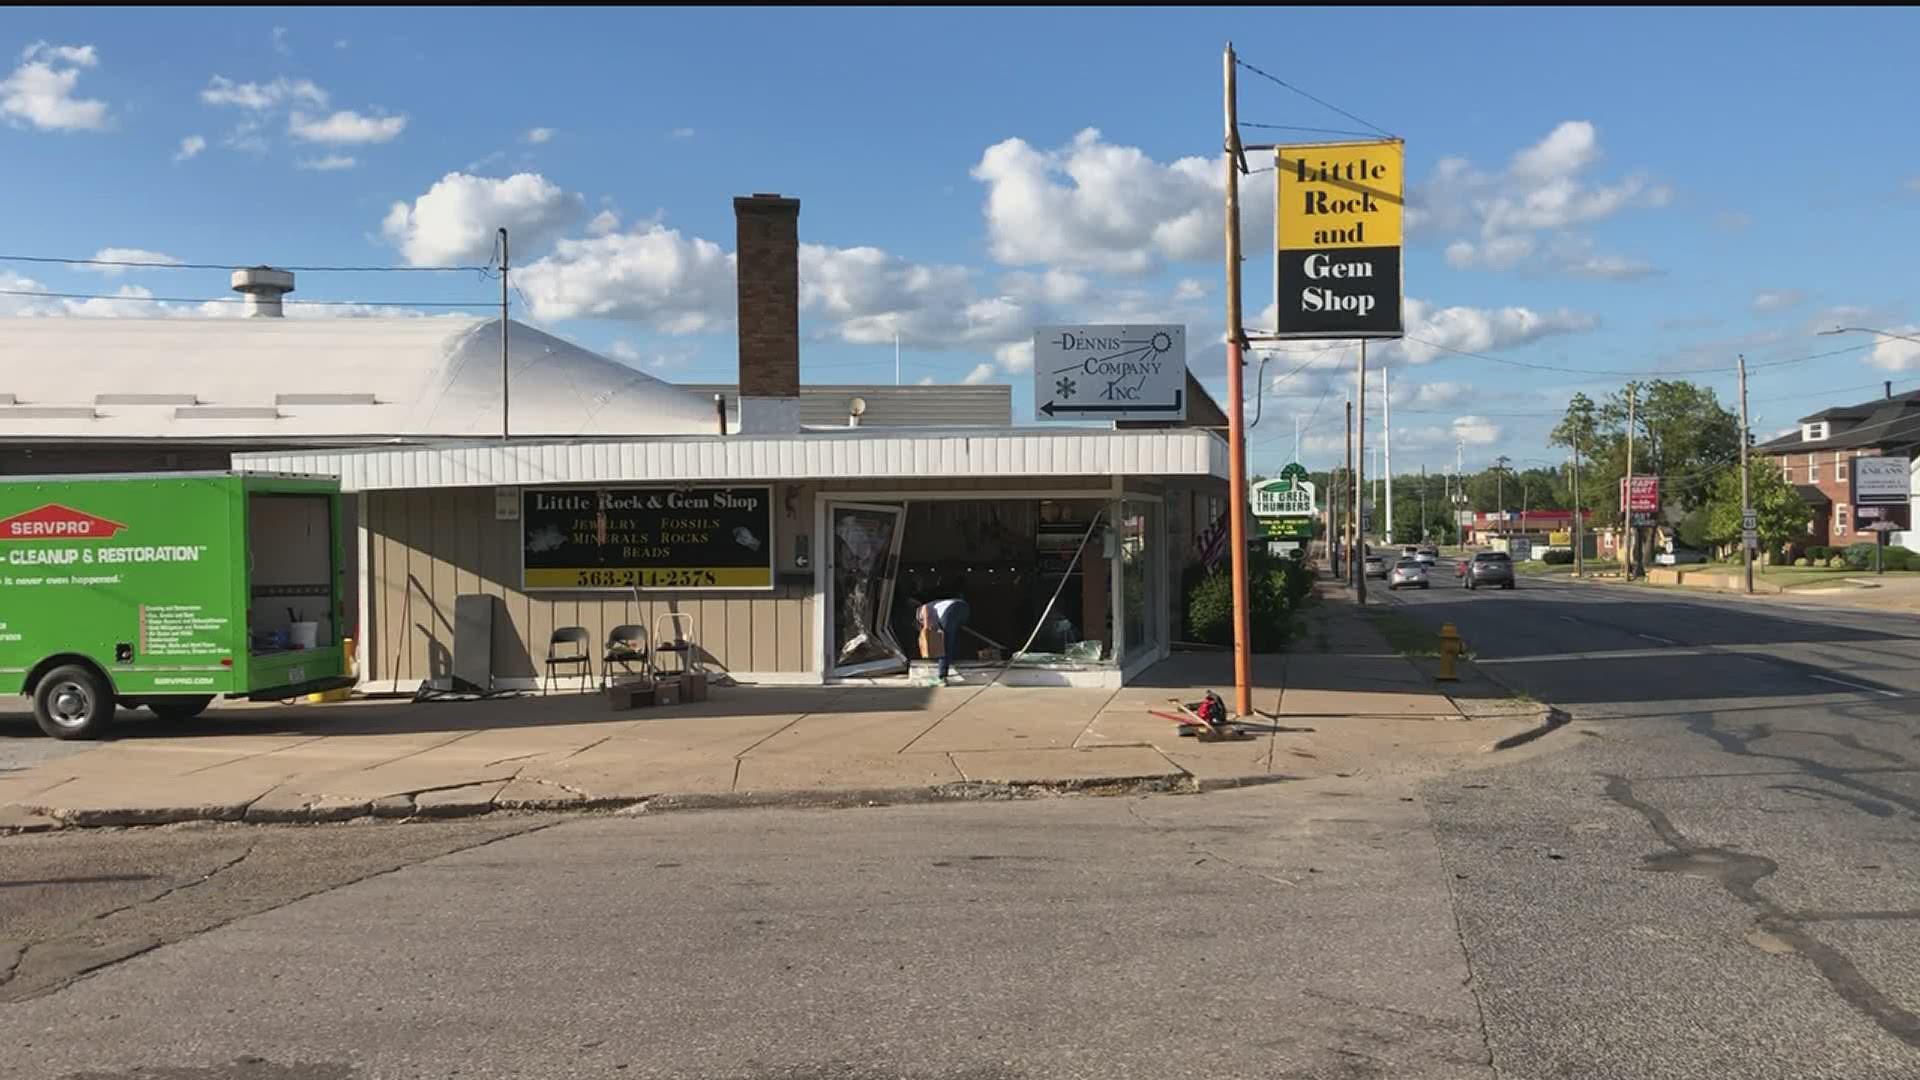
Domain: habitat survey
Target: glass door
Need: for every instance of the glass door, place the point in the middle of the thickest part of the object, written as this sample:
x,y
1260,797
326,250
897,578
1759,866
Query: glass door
x,y
862,572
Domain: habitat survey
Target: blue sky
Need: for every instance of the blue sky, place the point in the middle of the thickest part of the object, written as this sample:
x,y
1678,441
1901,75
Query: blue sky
x,y
1632,189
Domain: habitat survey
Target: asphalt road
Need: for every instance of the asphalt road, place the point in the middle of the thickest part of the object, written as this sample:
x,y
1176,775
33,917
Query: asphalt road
x,y
1709,871
1716,874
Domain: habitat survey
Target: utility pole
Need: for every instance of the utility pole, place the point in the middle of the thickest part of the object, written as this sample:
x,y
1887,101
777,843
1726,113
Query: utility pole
x,y
1746,498
1423,504
1500,489
1360,473
506,425
1236,405
1579,525
1386,405
1349,526
1626,495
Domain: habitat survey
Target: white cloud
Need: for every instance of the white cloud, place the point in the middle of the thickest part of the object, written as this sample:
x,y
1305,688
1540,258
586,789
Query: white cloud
x,y
1476,431
330,163
683,133
1432,331
1095,204
190,147
633,356
262,96
136,302
925,380
1438,393
604,222
1049,287
1015,357
872,295
538,135
456,218
342,43
134,255
1897,354
652,275
1495,221
280,41
1190,289
1770,300
246,137
39,93
980,373
346,127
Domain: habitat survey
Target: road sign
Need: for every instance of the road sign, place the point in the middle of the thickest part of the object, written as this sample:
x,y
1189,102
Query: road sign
x,y
1751,538
1749,520
1337,238
1110,372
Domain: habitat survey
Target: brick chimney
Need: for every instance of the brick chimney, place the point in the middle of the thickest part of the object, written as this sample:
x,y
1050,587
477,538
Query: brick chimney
x,y
767,265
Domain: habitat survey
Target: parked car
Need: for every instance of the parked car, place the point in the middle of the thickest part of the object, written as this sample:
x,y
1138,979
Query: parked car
x,y
1410,573
1490,568
1678,557
1377,566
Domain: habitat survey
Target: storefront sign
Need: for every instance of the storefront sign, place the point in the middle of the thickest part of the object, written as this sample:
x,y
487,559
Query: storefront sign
x,y
648,538
1881,481
1645,496
1110,373
1338,239
1883,518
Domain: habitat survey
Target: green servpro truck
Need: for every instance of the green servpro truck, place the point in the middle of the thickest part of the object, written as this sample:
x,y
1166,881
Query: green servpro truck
x,y
166,590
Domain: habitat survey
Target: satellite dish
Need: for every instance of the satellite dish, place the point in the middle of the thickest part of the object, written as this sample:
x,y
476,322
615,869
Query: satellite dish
x,y
857,407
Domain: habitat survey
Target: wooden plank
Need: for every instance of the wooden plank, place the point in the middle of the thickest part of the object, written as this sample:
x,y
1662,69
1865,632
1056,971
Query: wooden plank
x,y
710,633
764,615
442,551
789,637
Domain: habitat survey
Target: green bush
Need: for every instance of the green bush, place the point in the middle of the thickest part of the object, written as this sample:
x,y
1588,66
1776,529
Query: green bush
x,y
1859,556
1819,553
1802,561
1558,557
1275,587
1836,562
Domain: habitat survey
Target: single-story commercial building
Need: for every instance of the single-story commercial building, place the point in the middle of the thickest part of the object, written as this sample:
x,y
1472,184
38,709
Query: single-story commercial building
x,y
798,551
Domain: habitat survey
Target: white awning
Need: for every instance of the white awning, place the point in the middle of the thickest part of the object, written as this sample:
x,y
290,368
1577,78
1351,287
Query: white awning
x,y
812,456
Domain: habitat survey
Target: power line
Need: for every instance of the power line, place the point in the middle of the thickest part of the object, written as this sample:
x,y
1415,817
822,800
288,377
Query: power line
x,y
1647,372
243,266
1318,101
1315,130
243,300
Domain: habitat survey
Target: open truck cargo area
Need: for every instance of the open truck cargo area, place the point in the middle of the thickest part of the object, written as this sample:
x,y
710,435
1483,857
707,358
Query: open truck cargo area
x,y
165,591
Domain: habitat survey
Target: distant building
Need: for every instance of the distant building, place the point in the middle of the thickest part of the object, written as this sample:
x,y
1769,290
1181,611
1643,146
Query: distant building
x,y
1816,458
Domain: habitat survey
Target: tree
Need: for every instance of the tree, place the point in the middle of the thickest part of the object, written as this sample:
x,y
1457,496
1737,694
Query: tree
x,y
1780,513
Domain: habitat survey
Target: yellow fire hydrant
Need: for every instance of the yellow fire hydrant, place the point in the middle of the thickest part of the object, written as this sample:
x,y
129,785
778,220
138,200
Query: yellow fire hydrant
x,y
1450,647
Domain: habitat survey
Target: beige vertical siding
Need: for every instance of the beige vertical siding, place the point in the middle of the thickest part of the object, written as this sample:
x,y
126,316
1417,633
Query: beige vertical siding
x,y
427,547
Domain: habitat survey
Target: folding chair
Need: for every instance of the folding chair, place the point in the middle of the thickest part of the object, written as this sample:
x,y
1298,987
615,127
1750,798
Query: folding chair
x,y
578,657
626,646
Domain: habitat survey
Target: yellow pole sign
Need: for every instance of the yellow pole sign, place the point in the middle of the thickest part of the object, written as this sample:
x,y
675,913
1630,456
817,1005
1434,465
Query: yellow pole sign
x,y
1338,239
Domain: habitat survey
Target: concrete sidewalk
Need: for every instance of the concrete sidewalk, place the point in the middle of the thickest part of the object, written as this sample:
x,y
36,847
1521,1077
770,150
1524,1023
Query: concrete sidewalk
x,y
1353,708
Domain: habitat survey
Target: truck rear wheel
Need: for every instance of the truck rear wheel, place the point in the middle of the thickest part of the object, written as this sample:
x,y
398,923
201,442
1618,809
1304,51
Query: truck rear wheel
x,y
73,702
180,708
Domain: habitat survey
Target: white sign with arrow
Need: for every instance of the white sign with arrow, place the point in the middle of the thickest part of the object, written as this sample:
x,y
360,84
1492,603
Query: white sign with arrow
x,y
1110,372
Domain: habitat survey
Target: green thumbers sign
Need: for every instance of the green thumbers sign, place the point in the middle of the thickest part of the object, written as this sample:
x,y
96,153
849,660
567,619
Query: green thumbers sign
x,y
165,591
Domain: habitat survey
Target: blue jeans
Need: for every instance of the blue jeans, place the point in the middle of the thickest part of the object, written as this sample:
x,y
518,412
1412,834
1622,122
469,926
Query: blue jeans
x,y
950,624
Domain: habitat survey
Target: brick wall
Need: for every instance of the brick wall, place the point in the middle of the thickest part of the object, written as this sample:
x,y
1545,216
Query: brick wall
x,y
1837,528
768,270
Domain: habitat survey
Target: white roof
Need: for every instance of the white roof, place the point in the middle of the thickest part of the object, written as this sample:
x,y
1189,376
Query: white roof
x,y
867,454
319,380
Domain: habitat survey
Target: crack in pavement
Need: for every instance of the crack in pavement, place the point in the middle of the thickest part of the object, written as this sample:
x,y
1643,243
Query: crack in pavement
x,y
170,890
1460,940
1740,875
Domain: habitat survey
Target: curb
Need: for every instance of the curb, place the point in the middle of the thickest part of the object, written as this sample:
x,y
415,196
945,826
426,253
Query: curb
x,y
21,820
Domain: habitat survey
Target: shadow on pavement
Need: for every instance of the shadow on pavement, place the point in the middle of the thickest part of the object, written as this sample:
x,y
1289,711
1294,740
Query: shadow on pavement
x,y
401,716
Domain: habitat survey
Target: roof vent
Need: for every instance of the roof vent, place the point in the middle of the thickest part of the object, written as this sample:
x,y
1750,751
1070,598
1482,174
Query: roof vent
x,y
263,286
